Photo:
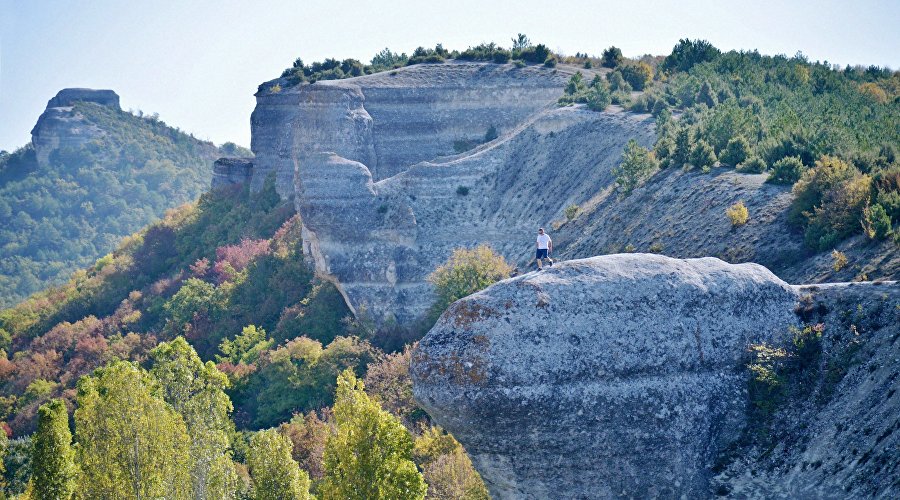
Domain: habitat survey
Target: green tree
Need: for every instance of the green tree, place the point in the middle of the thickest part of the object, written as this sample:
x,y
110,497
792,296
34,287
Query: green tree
x,y
275,474
197,392
370,456
706,95
703,155
638,164
876,222
598,97
131,443
246,347
684,144
466,272
612,57
737,150
52,457
576,84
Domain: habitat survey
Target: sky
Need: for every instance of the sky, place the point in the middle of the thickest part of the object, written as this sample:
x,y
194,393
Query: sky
x,y
198,63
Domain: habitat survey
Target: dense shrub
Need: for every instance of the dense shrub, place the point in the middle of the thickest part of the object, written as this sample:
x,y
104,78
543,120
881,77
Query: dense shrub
x,y
738,214
612,57
753,165
617,82
486,52
688,53
876,222
638,75
702,156
737,150
598,97
537,54
428,56
829,200
786,171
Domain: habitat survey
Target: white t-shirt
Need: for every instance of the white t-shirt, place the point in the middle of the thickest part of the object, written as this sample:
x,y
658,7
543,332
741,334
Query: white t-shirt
x,y
543,240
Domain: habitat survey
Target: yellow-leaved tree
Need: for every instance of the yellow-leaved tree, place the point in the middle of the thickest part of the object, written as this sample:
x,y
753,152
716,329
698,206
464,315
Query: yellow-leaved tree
x,y
130,442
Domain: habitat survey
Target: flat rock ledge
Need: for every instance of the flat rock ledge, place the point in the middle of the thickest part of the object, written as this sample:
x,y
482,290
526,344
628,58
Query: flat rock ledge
x,y
619,375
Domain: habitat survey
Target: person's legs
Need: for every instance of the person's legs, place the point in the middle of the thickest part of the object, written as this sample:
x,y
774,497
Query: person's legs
x,y
539,256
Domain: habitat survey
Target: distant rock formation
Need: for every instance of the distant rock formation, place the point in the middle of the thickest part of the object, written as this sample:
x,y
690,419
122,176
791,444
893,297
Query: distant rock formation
x,y
625,375
386,191
60,128
67,97
229,171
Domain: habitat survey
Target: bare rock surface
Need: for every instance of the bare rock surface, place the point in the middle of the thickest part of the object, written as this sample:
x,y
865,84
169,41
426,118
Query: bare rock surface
x,y
60,127
377,170
619,375
385,196
229,171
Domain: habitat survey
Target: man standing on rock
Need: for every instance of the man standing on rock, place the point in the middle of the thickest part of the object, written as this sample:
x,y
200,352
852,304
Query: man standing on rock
x,y
544,248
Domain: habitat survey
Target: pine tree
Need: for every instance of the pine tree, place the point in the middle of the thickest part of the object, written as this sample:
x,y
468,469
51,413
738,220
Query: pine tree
x,y
52,457
275,474
370,456
197,392
131,444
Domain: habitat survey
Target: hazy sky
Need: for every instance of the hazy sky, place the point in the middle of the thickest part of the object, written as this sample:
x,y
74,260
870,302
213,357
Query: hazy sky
x,y
198,63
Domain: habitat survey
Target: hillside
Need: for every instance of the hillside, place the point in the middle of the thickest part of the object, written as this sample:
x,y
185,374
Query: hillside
x,y
311,261
91,175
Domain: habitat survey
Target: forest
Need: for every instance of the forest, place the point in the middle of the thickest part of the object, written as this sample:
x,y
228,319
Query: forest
x,y
60,217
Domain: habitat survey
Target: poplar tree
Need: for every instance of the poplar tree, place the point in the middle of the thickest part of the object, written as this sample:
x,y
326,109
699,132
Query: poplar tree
x,y
197,392
52,457
131,443
275,474
370,456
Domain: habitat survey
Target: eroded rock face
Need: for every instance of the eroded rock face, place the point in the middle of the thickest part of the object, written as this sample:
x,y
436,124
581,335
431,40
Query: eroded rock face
x,y
61,128
620,375
385,198
67,97
230,171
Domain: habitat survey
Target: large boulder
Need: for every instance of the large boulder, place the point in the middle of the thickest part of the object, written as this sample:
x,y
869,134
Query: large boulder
x,y
620,375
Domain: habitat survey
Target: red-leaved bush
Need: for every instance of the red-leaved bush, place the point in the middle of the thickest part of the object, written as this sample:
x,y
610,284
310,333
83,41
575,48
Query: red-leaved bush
x,y
232,259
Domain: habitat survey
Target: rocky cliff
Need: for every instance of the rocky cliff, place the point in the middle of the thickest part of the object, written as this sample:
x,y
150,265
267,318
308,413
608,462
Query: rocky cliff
x,y
229,171
390,173
384,195
625,375
60,127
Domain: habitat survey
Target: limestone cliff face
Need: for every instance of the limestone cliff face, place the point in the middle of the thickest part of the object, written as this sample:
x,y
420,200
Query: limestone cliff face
x,y
608,376
625,376
229,171
61,128
385,197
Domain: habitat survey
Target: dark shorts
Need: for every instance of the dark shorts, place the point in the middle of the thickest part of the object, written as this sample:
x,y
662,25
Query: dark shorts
x,y
541,253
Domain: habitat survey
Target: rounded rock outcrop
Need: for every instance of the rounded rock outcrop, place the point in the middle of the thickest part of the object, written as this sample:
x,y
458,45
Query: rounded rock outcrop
x,y
620,375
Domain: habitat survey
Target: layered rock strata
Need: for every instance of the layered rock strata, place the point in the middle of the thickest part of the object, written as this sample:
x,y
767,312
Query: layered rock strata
x,y
610,376
627,376
384,196
230,171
